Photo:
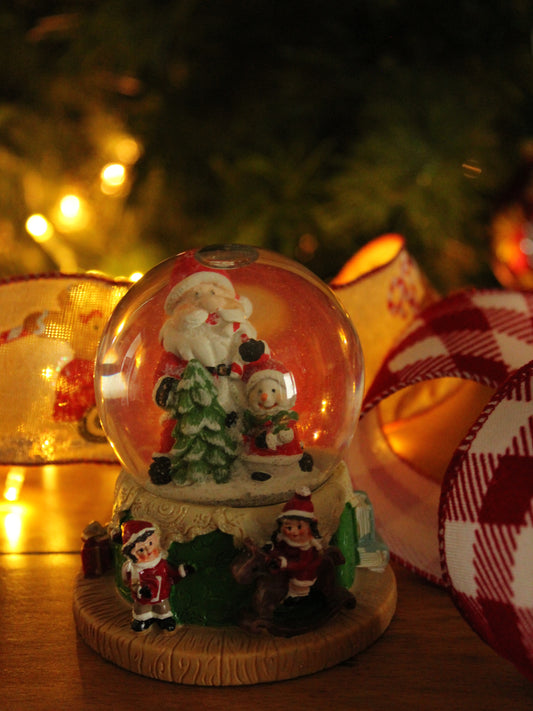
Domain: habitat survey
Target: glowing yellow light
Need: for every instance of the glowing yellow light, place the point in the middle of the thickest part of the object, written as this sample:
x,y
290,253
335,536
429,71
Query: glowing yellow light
x,y
11,494
46,446
47,373
127,150
136,276
39,228
374,255
50,474
13,485
113,176
70,207
13,526
114,173
471,169
71,213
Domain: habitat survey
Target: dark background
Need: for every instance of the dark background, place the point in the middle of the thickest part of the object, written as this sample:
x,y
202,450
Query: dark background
x,y
304,126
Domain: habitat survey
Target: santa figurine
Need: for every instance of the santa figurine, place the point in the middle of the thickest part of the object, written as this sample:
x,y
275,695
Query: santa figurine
x,y
208,321
296,546
149,576
269,422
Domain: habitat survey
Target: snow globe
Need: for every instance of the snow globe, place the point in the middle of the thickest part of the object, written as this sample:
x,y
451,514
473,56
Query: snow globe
x,y
229,382
267,346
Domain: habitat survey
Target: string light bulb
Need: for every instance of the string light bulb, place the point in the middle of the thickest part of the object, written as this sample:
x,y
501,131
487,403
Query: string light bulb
x,y
38,227
71,213
70,207
127,150
112,178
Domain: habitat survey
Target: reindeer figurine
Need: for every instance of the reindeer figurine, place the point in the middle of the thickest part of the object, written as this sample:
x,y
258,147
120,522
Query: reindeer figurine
x,y
295,578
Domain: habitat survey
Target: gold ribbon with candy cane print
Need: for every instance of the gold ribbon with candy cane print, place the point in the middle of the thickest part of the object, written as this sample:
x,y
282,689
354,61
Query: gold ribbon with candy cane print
x,y
50,326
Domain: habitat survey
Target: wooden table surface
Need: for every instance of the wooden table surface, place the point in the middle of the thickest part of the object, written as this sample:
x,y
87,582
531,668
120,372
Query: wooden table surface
x,y
429,658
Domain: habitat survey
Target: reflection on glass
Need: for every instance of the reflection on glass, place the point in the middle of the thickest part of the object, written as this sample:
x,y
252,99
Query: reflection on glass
x,y
13,485
13,526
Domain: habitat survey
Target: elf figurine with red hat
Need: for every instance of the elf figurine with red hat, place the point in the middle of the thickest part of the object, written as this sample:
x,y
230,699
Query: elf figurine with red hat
x,y
149,576
296,545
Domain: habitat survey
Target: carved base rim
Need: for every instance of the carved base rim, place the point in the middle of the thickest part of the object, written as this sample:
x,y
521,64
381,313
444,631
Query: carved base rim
x,y
229,656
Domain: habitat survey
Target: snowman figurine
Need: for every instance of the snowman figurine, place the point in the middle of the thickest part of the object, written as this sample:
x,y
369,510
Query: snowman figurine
x,y
270,432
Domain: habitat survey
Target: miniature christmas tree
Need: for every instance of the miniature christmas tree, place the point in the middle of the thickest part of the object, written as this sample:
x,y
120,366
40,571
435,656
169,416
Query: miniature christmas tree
x,y
204,447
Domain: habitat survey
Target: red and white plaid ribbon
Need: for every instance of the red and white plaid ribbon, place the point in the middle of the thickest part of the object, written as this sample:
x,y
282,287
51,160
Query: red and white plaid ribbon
x,y
480,336
486,522
471,527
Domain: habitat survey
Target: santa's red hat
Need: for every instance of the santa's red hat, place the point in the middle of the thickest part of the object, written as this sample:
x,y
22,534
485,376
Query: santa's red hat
x,y
189,272
300,506
132,530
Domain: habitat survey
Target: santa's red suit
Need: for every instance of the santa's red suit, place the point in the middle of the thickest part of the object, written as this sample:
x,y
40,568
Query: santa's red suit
x,y
169,366
74,390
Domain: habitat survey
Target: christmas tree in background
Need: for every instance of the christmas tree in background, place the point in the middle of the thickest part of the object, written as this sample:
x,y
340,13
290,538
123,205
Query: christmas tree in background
x,y
203,447
132,130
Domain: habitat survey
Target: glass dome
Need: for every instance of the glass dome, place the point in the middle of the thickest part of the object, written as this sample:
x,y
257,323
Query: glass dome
x,y
229,374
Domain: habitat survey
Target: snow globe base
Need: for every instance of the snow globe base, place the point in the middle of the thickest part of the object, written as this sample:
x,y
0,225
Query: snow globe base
x,y
229,656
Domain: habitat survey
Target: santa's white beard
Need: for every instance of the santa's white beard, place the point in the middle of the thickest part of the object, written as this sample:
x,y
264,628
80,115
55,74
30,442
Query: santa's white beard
x,y
193,343
211,344
237,315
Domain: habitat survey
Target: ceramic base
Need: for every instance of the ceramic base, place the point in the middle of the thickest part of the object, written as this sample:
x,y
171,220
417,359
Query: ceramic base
x,y
229,656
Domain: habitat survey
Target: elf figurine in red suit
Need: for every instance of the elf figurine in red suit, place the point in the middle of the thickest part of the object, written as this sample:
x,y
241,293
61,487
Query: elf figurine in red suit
x,y
296,545
148,575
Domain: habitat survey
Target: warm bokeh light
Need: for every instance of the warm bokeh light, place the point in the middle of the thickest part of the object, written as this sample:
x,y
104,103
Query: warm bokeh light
x,y
13,484
13,526
48,373
70,207
127,150
46,444
38,227
71,213
372,256
50,477
112,178
136,276
471,169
